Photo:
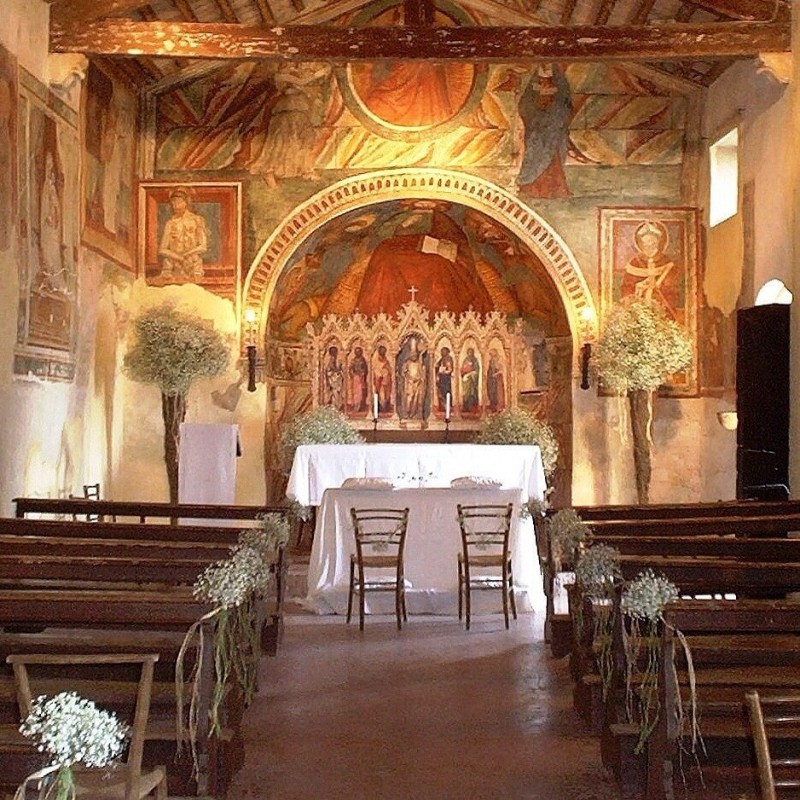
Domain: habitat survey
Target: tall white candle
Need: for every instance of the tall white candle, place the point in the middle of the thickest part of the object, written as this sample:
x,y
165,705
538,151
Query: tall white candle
x,y
447,406
375,405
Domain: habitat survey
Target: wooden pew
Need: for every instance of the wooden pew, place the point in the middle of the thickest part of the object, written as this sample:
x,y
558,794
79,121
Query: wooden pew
x,y
760,520
721,508
736,646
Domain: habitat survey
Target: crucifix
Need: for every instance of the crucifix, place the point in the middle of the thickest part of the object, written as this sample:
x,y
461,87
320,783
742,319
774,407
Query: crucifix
x,y
413,291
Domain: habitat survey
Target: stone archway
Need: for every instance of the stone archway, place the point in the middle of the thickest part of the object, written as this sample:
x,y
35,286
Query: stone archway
x,y
364,190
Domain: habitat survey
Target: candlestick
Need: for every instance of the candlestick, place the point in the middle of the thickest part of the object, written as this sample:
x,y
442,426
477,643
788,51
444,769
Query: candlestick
x,y
447,407
375,406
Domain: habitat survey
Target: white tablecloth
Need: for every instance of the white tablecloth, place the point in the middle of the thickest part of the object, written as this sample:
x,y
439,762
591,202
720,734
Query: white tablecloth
x,y
318,467
432,544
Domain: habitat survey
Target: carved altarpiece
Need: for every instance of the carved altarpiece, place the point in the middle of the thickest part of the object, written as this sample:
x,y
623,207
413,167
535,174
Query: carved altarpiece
x,y
405,366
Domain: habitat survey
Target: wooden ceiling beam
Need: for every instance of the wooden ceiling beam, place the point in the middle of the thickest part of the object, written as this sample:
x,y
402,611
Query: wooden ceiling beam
x,y
567,11
309,42
226,10
643,12
185,10
265,11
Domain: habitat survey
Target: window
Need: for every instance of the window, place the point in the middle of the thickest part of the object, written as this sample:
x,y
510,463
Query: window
x,y
773,291
724,185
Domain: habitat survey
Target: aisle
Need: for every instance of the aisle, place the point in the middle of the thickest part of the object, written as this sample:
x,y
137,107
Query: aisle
x,y
429,713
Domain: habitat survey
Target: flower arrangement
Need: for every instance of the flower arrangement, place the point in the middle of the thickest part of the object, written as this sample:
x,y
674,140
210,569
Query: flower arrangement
x,y
567,532
597,572
640,347
173,349
323,425
517,426
643,603
71,730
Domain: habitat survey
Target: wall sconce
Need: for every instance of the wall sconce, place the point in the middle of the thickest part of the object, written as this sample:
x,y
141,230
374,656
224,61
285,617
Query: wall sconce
x,y
728,419
251,327
586,355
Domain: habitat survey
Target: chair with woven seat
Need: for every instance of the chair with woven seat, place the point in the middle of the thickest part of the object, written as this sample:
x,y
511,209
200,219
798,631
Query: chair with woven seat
x,y
377,564
485,558
773,718
129,781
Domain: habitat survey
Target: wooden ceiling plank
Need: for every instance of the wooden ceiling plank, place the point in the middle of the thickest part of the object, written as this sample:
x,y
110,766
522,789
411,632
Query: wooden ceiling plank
x,y
604,12
185,10
76,12
685,12
226,10
668,42
329,12
643,12
567,11
500,13
755,10
266,12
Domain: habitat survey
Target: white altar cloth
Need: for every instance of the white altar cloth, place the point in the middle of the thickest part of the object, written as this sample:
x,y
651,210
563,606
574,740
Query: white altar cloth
x,y
317,467
432,545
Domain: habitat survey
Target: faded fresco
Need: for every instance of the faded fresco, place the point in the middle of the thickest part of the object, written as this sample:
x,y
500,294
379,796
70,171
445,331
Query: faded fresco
x,y
8,146
443,255
109,135
544,127
191,233
49,231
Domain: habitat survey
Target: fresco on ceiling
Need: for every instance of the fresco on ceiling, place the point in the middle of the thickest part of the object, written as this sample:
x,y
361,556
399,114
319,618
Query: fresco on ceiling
x,y
534,125
444,255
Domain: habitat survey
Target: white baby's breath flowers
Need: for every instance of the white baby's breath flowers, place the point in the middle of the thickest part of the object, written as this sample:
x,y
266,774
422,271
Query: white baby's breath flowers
x,y
646,596
517,426
567,532
229,583
72,730
270,537
597,570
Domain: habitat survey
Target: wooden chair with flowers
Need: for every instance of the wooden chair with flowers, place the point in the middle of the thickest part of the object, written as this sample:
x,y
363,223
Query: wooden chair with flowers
x,y
85,744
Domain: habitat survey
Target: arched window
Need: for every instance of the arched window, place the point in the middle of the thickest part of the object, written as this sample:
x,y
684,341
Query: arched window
x,y
773,291
724,179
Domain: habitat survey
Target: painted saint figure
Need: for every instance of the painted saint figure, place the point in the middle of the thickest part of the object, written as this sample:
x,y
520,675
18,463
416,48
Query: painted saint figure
x,y
470,381
358,380
646,272
184,240
444,378
382,380
333,386
52,276
413,373
495,382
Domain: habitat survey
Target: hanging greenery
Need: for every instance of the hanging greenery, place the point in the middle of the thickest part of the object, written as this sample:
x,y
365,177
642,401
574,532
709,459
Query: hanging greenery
x,y
517,426
638,349
172,350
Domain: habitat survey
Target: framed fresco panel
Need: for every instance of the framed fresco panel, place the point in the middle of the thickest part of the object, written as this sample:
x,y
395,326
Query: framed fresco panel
x,y
109,135
8,146
651,254
191,233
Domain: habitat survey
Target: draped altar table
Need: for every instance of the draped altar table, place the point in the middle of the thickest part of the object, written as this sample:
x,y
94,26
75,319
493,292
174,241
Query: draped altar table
x,y
432,544
317,467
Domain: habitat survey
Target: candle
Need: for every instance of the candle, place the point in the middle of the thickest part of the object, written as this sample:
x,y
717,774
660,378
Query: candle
x,y
375,405
447,406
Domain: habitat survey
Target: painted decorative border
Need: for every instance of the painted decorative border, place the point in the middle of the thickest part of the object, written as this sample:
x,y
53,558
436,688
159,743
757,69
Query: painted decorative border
x,y
652,254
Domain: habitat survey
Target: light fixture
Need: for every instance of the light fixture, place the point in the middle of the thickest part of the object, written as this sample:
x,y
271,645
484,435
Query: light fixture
x,y
728,419
251,327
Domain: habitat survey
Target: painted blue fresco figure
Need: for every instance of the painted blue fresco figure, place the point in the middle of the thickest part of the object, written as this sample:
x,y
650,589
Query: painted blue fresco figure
x,y
444,377
546,110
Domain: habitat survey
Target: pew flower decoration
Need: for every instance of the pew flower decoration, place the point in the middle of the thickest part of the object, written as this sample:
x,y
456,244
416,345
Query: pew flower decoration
x,y
567,533
597,572
71,730
643,603
517,426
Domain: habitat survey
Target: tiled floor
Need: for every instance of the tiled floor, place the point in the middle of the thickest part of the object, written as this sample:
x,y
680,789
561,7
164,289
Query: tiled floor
x,y
429,713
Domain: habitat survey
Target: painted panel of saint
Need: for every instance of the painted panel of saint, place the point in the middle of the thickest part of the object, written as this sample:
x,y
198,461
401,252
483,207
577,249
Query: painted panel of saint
x,y
332,375
382,375
496,378
469,374
445,369
412,373
357,382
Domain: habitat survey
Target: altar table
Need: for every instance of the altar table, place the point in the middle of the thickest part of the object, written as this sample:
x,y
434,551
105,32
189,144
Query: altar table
x,y
433,542
317,467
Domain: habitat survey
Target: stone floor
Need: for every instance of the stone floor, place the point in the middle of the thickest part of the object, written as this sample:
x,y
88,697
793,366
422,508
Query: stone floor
x,y
428,713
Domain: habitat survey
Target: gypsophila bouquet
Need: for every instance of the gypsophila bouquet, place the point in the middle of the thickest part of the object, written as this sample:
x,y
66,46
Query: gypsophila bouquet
x,y
640,347
323,425
517,426
71,730
567,533
646,596
598,569
270,538
536,508
229,582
